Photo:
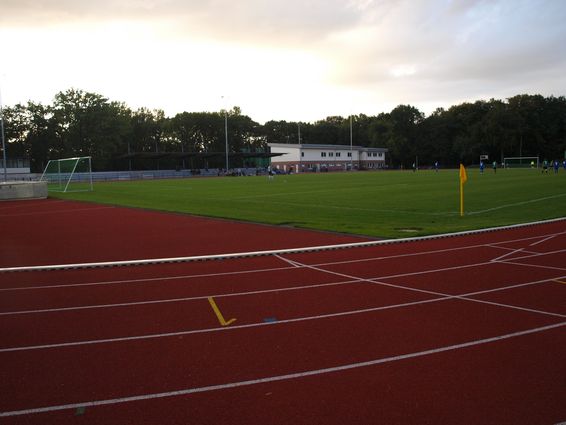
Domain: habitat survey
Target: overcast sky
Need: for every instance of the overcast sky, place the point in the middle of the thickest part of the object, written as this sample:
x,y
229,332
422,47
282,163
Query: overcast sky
x,y
283,59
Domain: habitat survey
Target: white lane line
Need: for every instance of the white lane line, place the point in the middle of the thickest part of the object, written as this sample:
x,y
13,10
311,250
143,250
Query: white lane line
x,y
218,329
439,297
543,240
145,280
460,297
286,260
267,379
125,281
173,300
513,263
501,257
239,255
351,279
514,249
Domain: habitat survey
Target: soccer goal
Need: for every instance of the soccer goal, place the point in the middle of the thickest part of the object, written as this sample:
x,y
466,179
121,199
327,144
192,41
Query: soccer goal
x,y
68,175
521,162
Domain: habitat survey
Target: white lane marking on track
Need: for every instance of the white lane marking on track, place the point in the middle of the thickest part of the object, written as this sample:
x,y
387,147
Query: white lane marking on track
x,y
523,250
461,297
246,293
289,376
501,257
543,240
440,297
238,255
511,262
352,279
172,300
126,281
286,260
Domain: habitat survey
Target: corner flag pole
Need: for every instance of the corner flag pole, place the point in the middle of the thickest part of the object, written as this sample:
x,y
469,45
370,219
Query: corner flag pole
x,y
463,179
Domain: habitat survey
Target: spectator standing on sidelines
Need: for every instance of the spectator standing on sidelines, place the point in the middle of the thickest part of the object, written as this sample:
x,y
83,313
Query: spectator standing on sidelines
x,y
545,166
436,166
564,164
482,165
495,167
556,166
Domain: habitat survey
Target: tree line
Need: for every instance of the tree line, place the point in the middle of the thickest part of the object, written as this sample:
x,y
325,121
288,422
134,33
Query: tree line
x,y
80,123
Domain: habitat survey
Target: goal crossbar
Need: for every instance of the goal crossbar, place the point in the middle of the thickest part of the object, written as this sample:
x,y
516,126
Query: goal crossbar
x,y
521,162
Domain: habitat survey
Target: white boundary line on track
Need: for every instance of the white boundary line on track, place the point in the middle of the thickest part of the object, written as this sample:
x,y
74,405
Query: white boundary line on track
x,y
266,253
523,250
543,240
172,300
295,265
296,375
440,294
511,262
166,278
440,297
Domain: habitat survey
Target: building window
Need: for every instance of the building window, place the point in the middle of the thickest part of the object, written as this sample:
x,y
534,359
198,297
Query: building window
x,y
331,154
302,154
380,154
323,154
338,154
349,154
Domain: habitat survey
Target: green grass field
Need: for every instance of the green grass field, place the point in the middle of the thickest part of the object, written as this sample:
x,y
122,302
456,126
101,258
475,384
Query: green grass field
x,y
379,204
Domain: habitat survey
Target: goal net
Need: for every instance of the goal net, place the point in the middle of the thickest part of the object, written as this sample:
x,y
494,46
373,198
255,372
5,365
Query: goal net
x,y
521,162
68,175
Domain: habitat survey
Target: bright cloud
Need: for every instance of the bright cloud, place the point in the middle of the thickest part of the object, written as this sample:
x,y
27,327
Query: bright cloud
x,y
293,60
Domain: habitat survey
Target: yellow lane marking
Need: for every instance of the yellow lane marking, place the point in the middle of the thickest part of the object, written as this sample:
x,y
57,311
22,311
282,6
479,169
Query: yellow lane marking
x,y
221,319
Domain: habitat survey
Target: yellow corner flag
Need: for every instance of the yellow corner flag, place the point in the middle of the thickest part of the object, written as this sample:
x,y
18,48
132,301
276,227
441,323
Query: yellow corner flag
x,y
463,175
463,179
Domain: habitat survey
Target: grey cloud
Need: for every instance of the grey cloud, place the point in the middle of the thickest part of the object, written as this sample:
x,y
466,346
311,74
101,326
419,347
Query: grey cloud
x,y
249,20
484,41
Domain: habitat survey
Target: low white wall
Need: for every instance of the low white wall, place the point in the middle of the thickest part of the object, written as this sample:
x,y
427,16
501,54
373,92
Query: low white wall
x,y
23,190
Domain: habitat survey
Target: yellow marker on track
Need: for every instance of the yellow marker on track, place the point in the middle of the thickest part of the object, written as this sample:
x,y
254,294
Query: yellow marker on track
x,y
221,319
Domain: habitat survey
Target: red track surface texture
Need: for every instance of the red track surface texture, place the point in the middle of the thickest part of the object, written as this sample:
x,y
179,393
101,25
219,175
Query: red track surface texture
x,y
467,330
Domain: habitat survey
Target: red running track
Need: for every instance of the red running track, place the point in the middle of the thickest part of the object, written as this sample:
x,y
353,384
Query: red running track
x,y
466,330
55,231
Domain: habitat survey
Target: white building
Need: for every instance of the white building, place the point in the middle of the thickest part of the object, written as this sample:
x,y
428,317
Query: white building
x,y
310,157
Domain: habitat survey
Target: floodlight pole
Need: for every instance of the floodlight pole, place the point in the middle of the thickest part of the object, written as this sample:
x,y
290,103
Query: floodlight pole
x,y
3,139
226,134
226,130
351,147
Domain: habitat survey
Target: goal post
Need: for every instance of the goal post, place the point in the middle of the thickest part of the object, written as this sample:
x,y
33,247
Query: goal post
x,y
68,174
521,162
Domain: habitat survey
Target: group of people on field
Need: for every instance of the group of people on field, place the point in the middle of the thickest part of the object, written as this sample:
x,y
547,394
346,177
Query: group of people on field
x,y
545,166
555,165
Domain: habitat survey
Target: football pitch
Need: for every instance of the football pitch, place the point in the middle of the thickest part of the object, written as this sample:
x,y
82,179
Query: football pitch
x,y
387,204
